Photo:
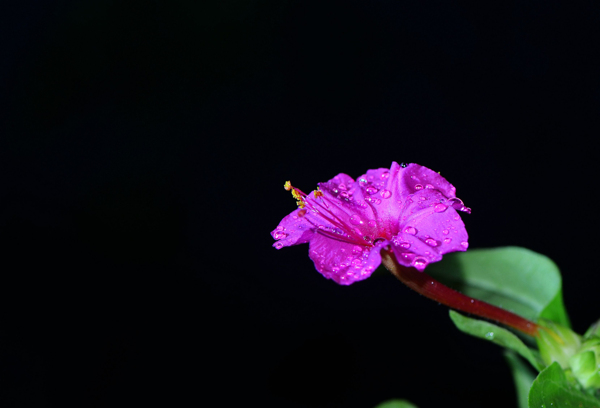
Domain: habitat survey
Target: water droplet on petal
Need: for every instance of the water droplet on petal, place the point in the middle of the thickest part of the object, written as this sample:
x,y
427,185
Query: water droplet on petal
x,y
431,242
405,245
371,190
439,208
385,193
429,186
278,245
372,224
377,201
447,240
356,249
420,263
342,186
410,230
357,263
344,194
403,165
445,232
355,219
279,235
418,186
407,255
458,205
385,175
465,244
368,239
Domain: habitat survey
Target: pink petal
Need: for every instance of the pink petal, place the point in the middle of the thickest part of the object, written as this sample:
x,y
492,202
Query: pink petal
x,y
344,263
415,177
428,228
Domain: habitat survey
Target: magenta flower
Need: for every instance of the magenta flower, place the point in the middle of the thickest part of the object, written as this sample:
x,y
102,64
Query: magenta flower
x,y
346,223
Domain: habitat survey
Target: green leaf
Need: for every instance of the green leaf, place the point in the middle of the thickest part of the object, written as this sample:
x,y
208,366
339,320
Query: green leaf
x,y
496,334
522,375
396,403
552,390
516,279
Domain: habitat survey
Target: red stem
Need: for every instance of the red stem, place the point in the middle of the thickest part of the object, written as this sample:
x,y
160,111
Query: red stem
x,y
429,287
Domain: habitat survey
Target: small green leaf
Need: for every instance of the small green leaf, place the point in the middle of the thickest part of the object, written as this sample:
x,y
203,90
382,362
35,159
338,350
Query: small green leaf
x,y
496,334
513,278
396,403
552,390
522,375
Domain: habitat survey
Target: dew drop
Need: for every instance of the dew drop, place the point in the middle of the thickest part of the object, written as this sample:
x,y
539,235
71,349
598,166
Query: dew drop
x,y
342,186
420,263
465,244
279,235
372,224
405,245
301,213
371,190
335,269
447,240
489,335
403,165
385,175
407,255
357,263
430,186
422,198
458,205
355,219
445,232
377,201
368,239
431,242
418,186
385,194
356,249
438,208
278,245
410,230
344,194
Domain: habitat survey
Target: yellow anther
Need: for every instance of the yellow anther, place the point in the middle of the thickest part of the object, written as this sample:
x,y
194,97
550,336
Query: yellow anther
x,y
296,195
287,185
301,204
318,193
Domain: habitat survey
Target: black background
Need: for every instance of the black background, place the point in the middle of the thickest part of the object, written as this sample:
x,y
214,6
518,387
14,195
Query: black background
x,y
143,149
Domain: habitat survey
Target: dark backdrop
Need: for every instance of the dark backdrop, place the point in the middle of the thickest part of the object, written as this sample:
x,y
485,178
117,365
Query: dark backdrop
x,y
143,149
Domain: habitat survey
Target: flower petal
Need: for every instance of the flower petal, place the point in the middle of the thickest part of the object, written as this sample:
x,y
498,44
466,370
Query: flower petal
x,y
293,229
428,228
343,262
415,177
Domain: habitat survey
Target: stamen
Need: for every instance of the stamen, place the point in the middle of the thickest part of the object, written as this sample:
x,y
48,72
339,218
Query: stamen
x,y
304,201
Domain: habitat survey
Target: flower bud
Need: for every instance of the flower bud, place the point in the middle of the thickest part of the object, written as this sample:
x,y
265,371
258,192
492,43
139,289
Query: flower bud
x,y
585,364
557,343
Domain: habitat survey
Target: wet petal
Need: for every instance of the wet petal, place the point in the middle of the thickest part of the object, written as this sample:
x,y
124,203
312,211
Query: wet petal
x,y
342,262
428,228
415,177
